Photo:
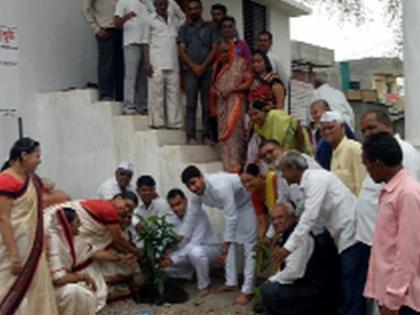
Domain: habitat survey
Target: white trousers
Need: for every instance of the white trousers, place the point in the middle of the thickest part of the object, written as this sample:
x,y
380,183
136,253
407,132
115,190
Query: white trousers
x,y
231,273
165,96
75,298
192,258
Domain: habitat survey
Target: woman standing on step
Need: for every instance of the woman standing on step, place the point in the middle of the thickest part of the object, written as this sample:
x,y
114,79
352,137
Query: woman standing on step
x,y
230,80
26,286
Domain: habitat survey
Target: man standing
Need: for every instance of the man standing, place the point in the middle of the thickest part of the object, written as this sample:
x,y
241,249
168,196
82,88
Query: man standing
x,y
327,202
119,183
197,41
372,123
346,162
130,15
228,29
161,64
265,43
198,247
218,11
394,275
99,14
226,192
335,98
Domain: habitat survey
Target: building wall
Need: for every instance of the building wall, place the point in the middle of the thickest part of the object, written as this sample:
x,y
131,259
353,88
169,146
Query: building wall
x,y
56,51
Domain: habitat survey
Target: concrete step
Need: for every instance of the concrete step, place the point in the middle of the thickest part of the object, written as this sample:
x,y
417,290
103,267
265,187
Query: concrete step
x,y
115,107
198,154
170,137
210,167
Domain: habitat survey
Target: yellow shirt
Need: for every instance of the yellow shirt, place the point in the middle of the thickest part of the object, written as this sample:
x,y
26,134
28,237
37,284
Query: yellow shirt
x,y
347,164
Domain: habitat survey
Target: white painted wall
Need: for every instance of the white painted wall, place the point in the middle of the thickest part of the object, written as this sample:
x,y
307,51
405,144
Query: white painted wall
x,y
56,51
280,28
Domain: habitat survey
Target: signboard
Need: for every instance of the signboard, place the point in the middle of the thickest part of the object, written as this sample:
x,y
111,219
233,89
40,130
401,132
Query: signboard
x,y
9,62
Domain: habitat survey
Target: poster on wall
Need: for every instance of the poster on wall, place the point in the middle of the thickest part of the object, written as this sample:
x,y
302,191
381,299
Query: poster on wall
x,y
9,63
9,87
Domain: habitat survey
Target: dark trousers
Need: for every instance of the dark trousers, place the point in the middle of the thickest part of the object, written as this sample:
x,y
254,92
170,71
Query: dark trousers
x,y
195,85
288,299
405,310
111,65
352,279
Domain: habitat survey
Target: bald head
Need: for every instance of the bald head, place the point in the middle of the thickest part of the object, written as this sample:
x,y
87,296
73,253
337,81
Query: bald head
x,y
282,217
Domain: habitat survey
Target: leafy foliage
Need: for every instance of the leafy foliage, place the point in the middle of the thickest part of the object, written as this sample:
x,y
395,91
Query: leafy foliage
x,y
157,236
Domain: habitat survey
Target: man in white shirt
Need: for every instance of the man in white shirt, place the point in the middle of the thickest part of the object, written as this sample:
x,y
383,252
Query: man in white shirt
x,y
335,98
226,192
149,202
371,123
330,203
265,43
198,248
309,278
162,67
130,16
119,183
174,10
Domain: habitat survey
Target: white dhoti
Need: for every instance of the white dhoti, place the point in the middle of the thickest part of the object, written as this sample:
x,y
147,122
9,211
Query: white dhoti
x,y
194,257
164,97
75,298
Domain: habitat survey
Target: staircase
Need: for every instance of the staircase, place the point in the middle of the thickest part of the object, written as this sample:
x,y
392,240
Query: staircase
x,y
83,140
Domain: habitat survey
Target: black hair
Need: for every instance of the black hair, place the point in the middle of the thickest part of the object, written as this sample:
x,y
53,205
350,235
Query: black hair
x,y
174,193
270,141
258,105
189,173
380,115
196,1
270,36
127,195
70,214
383,147
23,145
252,169
219,7
228,19
145,180
267,61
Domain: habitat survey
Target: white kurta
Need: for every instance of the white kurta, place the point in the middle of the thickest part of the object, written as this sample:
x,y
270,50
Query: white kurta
x,y
337,102
295,263
327,202
110,188
198,250
367,204
226,192
159,206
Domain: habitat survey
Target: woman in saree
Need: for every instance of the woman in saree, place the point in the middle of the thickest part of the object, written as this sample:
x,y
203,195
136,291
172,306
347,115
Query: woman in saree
x,y
267,86
26,286
230,80
275,124
79,284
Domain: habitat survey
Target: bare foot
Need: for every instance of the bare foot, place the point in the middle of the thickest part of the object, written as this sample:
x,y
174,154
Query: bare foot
x,y
226,288
203,292
242,299
107,99
209,142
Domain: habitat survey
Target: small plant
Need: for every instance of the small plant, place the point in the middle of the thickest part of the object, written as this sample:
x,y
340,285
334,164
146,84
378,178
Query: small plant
x,y
157,236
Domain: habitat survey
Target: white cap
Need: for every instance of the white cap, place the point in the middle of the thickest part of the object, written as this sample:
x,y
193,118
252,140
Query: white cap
x,y
128,166
331,117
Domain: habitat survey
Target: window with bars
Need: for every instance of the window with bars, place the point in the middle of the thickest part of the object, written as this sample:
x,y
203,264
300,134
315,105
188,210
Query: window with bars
x,y
255,21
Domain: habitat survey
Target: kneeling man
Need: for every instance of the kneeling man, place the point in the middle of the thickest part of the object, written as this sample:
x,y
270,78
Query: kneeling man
x,y
306,282
198,247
